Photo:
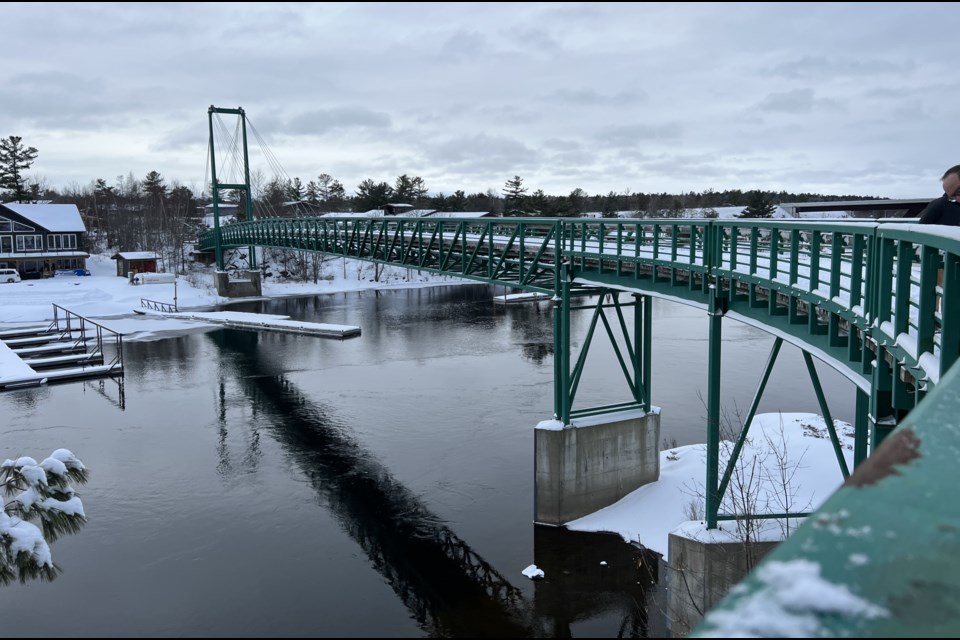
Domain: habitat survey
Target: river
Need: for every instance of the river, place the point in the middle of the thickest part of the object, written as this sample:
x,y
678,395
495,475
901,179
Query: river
x,y
269,484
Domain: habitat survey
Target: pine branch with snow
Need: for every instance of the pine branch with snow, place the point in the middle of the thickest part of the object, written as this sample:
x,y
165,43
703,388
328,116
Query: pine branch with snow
x,y
40,505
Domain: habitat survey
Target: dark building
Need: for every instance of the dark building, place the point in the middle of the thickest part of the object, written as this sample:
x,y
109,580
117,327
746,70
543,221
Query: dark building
x,y
39,239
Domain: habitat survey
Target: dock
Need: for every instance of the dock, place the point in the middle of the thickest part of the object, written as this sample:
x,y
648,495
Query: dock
x,y
515,298
262,322
71,347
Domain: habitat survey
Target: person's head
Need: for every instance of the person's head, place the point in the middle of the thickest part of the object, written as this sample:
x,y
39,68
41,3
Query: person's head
x,y
951,183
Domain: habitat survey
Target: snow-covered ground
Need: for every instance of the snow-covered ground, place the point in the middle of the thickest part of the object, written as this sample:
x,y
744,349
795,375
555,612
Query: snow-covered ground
x,y
103,294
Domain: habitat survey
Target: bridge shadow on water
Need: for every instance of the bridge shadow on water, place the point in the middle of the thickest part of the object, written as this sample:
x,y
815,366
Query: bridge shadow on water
x,y
448,588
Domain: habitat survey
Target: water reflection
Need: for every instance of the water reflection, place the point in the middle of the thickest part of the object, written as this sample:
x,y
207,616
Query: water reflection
x,y
586,574
447,587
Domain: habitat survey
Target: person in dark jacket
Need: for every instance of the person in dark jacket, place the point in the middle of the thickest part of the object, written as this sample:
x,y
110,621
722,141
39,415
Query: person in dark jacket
x,y
945,209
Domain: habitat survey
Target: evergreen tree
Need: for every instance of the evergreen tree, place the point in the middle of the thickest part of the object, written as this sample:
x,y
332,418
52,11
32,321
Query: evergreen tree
x,y
39,493
371,195
514,197
458,201
313,193
295,190
757,206
14,160
336,197
409,190
439,202
331,193
153,185
418,191
577,199
403,189
608,205
538,203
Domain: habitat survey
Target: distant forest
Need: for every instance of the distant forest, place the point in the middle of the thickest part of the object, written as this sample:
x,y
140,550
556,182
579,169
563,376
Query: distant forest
x,y
133,212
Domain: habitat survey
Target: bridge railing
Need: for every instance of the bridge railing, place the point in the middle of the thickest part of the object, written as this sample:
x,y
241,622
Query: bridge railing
x,y
855,284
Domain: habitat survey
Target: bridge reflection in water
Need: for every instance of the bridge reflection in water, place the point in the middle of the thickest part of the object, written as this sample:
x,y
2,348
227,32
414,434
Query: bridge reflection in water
x,y
447,587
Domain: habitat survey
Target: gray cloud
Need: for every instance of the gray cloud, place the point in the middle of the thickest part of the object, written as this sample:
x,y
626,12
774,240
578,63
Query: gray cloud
x,y
630,134
795,101
589,97
600,96
818,67
323,121
483,153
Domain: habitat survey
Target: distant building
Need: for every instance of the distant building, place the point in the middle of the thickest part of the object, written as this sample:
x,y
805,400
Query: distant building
x,y
396,209
228,213
135,262
300,209
458,214
38,239
858,208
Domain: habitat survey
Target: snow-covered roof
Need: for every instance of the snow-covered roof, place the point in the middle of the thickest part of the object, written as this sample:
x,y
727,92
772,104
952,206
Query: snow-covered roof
x,y
734,212
458,214
52,217
135,255
224,217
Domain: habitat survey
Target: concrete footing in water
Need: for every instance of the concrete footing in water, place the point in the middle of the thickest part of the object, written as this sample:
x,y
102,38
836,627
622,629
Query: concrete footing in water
x,y
246,287
701,568
590,464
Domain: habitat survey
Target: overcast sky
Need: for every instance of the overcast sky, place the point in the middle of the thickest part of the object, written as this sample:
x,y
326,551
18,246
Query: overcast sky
x,y
828,98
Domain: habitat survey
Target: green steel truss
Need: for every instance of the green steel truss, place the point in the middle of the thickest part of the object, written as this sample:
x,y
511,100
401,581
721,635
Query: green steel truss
x,y
862,296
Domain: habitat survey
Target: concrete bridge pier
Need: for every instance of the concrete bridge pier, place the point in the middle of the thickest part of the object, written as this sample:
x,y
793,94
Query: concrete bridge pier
x,y
245,287
593,462
702,566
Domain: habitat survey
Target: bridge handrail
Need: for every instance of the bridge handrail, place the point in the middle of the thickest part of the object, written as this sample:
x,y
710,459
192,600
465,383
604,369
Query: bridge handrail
x,y
840,275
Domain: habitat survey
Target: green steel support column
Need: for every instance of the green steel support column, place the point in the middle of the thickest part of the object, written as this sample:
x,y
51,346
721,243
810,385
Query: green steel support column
x,y
641,340
881,406
861,428
827,418
639,381
214,191
246,180
558,355
647,350
561,354
745,429
559,348
713,407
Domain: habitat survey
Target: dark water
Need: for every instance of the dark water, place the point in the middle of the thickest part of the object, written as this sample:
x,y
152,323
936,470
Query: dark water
x,y
280,485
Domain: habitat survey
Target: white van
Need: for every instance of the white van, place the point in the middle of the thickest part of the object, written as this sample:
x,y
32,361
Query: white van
x,y
9,275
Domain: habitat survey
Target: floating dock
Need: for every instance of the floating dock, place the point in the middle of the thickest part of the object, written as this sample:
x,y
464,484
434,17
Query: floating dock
x,y
515,298
262,322
70,347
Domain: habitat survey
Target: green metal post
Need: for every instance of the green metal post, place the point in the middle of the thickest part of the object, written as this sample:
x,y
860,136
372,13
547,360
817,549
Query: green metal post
x,y
642,356
861,428
564,381
215,192
713,408
559,353
647,350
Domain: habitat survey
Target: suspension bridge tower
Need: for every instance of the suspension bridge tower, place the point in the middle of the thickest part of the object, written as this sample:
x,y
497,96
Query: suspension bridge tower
x,y
236,155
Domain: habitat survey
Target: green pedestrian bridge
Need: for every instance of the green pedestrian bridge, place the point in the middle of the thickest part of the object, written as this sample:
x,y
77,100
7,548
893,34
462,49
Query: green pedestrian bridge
x,y
876,300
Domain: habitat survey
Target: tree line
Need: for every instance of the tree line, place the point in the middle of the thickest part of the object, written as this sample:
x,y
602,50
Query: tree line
x,y
149,213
